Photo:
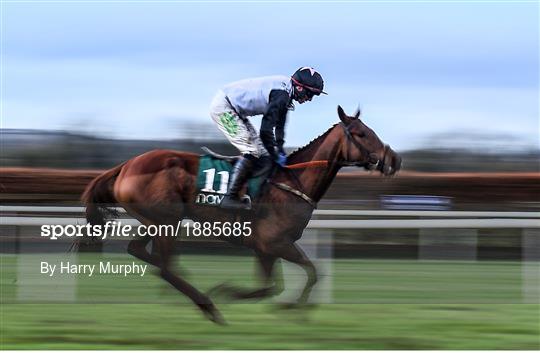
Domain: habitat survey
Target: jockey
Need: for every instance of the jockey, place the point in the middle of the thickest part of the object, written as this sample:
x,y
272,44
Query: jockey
x,y
271,97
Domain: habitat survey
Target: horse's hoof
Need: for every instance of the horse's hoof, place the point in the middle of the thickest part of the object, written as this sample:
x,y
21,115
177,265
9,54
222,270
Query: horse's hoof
x,y
296,306
309,306
288,306
216,317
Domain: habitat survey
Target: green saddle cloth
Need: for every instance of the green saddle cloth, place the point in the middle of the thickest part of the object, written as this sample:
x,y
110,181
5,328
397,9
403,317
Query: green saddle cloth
x,y
213,181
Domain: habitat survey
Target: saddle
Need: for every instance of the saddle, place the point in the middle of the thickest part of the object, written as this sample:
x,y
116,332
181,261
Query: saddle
x,y
264,166
213,177
231,159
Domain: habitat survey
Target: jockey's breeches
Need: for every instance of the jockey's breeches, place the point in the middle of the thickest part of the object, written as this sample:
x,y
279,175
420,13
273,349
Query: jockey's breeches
x,y
238,130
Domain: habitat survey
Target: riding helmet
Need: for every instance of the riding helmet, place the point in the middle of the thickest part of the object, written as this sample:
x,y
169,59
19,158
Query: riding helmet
x,y
309,78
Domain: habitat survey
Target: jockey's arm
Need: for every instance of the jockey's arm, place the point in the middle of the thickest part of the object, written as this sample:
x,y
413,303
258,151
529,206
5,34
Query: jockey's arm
x,y
274,118
280,132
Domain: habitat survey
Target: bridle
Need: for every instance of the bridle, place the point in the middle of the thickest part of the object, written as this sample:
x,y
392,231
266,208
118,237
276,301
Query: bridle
x,y
372,162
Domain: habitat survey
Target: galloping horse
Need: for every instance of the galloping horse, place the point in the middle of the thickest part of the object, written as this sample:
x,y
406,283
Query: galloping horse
x,y
159,188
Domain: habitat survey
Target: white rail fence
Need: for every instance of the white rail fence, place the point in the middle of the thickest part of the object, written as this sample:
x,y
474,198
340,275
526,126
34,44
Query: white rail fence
x,y
376,213
431,226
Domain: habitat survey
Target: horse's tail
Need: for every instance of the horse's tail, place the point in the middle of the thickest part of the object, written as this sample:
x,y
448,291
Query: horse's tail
x,y
98,196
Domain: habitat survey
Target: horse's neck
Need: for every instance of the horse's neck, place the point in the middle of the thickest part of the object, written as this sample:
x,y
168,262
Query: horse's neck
x,y
315,181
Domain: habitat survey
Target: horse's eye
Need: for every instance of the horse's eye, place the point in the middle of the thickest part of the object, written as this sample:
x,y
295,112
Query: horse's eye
x,y
362,134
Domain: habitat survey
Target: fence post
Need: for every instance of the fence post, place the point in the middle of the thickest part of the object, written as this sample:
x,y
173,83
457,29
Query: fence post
x,y
530,265
33,286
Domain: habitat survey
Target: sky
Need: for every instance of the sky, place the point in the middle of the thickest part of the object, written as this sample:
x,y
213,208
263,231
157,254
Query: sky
x,y
140,69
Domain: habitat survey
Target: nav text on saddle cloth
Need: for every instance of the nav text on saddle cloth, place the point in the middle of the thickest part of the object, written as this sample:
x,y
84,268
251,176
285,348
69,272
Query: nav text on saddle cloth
x,y
213,179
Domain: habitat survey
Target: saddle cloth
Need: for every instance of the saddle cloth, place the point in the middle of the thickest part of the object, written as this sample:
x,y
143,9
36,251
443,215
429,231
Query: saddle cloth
x,y
213,181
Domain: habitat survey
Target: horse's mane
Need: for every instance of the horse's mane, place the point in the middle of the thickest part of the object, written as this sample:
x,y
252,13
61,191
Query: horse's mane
x,y
310,143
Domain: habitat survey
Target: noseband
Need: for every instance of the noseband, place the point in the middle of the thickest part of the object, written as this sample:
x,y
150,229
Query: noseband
x,y
372,162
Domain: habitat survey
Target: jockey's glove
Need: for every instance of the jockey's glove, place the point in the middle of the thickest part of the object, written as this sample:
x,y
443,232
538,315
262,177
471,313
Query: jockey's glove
x,y
281,159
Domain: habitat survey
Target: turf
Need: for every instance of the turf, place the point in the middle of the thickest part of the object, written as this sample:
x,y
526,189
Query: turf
x,y
375,304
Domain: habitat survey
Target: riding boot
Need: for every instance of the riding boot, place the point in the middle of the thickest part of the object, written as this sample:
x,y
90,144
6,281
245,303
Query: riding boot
x,y
241,172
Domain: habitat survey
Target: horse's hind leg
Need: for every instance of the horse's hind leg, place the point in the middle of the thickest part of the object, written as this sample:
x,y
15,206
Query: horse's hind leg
x,y
202,301
162,259
137,248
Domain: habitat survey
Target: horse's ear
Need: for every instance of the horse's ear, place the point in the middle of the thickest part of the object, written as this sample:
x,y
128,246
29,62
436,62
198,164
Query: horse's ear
x,y
357,113
342,116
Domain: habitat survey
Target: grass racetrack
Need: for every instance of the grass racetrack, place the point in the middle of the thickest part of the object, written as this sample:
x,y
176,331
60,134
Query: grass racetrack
x,y
375,304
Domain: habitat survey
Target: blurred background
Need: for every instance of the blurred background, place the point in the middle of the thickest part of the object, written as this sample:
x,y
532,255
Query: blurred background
x,y
452,86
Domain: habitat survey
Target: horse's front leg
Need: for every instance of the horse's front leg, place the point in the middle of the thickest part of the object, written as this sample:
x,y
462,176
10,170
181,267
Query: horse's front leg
x,y
288,250
292,253
272,283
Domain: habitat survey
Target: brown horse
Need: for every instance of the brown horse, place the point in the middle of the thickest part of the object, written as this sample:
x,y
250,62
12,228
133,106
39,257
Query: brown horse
x,y
159,187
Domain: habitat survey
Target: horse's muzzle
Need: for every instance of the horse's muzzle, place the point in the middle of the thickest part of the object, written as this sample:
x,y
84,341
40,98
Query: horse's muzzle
x,y
391,162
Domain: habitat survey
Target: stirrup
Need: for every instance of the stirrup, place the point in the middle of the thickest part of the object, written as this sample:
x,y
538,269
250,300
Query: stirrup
x,y
234,203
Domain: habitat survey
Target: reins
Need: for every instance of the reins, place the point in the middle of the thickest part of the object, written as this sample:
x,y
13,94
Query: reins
x,y
309,164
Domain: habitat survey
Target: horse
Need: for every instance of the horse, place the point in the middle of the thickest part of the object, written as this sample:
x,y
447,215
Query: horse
x,y
159,188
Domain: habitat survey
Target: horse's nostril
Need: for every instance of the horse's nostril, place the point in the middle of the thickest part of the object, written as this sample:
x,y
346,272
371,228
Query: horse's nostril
x,y
373,158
